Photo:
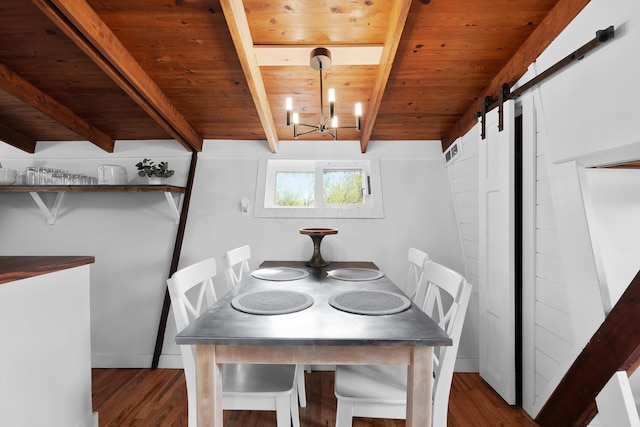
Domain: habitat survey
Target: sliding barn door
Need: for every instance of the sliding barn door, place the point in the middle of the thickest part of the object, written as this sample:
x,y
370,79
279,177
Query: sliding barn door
x,y
496,255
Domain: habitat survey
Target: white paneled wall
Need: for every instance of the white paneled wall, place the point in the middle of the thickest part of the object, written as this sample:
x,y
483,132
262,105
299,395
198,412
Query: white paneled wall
x,y
548,331
551,329
463,178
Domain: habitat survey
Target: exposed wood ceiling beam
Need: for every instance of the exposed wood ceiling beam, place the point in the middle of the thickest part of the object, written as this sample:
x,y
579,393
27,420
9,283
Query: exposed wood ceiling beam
x,y
17,139
397,20
17,86
239,28
553,24
85,28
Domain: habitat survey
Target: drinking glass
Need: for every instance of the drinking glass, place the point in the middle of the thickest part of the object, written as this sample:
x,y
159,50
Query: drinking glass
x,y
57,177
32,175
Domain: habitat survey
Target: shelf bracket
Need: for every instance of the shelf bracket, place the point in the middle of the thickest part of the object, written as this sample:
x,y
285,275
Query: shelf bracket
x,y
175,208
50,214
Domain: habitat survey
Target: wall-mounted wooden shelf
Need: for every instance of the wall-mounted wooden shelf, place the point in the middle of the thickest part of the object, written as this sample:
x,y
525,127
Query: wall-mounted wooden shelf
x,y
52,213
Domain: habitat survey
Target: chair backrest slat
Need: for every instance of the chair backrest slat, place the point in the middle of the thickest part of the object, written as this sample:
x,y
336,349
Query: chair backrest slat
x,y
236,265
414,287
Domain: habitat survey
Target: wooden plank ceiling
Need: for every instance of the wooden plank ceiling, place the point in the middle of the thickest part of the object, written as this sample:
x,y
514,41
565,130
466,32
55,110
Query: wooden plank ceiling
x,y
106,70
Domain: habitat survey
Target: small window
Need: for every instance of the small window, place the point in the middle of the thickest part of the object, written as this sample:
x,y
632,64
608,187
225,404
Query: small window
x,y
294,189
313,188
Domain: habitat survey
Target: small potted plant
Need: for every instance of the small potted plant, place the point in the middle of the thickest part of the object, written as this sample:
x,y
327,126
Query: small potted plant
x,y
155,172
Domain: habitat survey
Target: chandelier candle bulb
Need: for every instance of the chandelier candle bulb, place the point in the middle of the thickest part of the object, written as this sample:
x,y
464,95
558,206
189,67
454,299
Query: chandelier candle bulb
x,y
332,102
358,115
289,107
296,118
334,122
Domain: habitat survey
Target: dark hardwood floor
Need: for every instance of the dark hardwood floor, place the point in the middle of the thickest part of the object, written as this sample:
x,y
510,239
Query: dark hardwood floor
x,y
146,398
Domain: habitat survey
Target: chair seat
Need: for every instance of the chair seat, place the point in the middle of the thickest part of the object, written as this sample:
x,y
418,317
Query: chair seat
x,y
372,383
258,379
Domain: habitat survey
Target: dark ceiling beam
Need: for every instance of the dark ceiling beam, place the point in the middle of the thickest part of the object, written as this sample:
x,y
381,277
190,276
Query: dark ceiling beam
x,y
17,139
550,27
17,86
234,14
85,28
397,20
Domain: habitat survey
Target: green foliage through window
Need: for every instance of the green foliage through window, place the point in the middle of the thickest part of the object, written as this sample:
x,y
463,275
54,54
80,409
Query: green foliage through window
x,y
339,187
342,187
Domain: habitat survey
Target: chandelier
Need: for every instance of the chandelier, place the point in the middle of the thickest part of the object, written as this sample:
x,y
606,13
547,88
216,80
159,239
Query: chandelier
x,y
321,60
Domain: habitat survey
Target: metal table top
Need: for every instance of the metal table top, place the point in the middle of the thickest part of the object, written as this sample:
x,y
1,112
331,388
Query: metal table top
x,y
318,325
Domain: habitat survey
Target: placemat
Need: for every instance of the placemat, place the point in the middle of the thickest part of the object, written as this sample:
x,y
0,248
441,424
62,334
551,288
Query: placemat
x,y
280,273
370,302
272,302
355,274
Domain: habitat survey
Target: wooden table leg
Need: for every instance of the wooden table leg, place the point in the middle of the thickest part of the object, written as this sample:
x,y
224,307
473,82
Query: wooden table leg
x,y
419,383
208,387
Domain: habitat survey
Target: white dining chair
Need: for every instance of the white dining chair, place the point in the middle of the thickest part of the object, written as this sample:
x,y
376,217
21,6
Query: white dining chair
x,y
244,386
413,285
236,268
236,265
380,391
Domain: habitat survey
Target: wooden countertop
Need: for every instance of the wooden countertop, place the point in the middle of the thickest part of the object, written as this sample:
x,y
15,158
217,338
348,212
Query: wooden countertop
x,y
14,268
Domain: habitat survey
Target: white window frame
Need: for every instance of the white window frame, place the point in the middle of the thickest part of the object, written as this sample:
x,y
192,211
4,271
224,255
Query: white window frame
x,y
372,191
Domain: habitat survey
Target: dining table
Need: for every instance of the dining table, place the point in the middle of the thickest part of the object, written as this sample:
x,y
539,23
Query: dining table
x,y
286,312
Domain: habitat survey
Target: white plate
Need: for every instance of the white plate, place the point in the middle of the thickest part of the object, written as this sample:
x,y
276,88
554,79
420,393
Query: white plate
x,y
355,274
280,274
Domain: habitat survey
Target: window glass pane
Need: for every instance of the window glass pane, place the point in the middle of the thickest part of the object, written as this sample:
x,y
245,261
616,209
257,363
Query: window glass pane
x,y
294,189
342,186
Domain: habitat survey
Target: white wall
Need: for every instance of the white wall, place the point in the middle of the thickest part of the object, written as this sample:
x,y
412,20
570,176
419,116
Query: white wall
x,y
131,235
615,199
615,224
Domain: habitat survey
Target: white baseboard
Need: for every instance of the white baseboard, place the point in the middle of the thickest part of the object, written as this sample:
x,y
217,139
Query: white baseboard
x,y
467,365
170,361
90,421
167,361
